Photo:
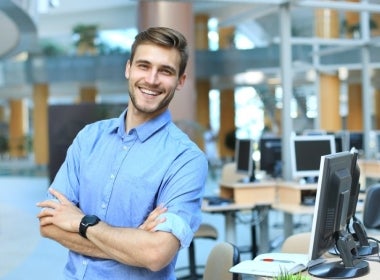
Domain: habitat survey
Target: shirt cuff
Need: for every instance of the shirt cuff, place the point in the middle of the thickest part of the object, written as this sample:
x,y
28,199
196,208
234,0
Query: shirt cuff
x,y
178,227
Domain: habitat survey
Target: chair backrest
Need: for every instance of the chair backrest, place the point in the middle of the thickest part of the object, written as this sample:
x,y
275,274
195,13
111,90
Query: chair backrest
x,y
222,257
297,243
371,211
229,174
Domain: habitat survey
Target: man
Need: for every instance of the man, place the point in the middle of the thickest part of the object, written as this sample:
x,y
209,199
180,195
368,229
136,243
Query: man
x,y
128,195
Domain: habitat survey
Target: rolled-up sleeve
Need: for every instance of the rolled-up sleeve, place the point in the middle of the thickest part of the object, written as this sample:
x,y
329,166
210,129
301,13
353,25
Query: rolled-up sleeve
x,y
178,227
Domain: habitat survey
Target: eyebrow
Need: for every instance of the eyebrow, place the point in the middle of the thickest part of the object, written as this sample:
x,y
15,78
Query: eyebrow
x,y
168,67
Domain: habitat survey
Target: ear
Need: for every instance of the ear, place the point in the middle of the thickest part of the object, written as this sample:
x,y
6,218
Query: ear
x,y
181,82
127,69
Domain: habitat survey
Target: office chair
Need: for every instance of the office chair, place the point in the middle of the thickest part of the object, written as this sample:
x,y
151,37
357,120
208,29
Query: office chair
x,y
297,243
222,257
205,231
371,210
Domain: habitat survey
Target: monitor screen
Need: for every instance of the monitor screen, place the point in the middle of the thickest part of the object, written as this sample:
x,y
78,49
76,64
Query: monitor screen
x,y
376,143
271,156
329,220
339,144
243,156
356,140
306,152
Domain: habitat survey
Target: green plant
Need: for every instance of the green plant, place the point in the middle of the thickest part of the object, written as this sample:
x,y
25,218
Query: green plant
x,y
86,37
352,28
286,276
51,48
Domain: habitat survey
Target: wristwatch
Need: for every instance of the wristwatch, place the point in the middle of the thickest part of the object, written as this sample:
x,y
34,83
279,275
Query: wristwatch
x,y
87,221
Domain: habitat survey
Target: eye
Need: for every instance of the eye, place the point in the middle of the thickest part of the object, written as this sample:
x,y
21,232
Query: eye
x,y
167,71
142,66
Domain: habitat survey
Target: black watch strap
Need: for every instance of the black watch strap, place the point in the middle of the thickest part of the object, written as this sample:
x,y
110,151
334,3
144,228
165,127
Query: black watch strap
x,y
87,221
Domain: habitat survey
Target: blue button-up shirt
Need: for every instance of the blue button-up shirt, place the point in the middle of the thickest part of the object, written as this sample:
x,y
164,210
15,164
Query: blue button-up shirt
x,y
122,177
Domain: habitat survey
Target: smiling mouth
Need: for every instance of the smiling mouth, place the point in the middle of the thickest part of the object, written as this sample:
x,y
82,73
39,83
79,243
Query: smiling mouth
x,y
149,92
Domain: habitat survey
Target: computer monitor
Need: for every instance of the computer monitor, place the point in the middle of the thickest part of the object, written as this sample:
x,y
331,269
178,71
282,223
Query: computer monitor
x,y
243,158
271,155
306,152
339,146
329,220
355,187
376,143
355,139
365,247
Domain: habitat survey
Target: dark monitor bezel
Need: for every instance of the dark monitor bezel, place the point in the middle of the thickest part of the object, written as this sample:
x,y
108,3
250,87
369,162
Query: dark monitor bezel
x,y
327,197
329,220
240,154
307,140
356,137
270,156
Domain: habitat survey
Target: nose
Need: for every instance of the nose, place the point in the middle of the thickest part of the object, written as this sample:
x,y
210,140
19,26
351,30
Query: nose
x,y
152,76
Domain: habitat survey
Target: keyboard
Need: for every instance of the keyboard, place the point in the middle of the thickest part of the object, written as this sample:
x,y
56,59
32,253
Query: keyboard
x,y
217,200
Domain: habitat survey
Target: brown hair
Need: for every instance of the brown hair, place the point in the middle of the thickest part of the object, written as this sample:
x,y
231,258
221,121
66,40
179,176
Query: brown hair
x,y
165,37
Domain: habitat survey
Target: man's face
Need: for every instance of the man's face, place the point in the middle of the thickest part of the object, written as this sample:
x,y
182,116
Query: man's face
x,y
153,78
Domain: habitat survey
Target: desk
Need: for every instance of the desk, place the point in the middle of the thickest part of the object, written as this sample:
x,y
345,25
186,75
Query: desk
x,y
279,195
294,193
254,196
289,201
229,212
374,271
368,169
290,209
261,196
249,193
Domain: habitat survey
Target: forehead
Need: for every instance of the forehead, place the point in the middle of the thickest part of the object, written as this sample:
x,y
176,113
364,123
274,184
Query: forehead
x,y
158,55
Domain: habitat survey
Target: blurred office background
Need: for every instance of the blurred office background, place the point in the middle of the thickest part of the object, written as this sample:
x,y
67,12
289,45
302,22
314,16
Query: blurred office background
x,y
257,68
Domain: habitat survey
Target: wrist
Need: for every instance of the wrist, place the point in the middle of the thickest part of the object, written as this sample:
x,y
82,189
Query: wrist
x,y
86,222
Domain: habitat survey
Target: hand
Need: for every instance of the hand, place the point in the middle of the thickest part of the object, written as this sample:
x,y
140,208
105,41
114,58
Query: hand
x,y
60,212
154,219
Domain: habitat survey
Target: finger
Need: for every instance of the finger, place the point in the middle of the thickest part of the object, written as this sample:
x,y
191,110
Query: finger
x,y
50,203
160,209
61,198
151,223
45,221
45,212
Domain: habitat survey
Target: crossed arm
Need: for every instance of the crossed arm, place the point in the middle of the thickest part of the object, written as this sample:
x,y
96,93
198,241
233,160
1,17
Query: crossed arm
x,y
141,246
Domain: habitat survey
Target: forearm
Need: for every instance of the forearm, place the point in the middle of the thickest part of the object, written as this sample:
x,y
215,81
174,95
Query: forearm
x,y
73,241
136,247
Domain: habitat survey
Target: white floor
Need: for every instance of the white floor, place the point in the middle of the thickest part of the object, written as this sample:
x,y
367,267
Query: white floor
x,y
25,255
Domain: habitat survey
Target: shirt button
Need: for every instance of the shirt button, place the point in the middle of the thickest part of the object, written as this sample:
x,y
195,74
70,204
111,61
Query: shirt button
x,y
125,148
84,263
104,205
112,176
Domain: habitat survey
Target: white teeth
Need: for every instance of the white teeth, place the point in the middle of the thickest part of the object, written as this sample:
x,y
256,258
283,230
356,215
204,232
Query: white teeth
x,y
149,92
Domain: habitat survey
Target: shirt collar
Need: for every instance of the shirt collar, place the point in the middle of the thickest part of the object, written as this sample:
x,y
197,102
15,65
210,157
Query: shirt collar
x,y
145,130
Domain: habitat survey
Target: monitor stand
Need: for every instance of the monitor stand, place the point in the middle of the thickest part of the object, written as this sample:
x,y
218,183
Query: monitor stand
x,y
311,180
347,267
365,247
248,179
252,176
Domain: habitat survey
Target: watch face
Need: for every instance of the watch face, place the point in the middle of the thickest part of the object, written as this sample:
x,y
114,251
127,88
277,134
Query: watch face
x,y
90,220
87,221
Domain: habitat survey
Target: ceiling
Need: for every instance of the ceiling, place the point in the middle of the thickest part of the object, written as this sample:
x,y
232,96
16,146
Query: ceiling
x,y
121,14
257,19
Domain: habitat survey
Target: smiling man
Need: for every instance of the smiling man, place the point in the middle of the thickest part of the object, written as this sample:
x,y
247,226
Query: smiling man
x,y
128,195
